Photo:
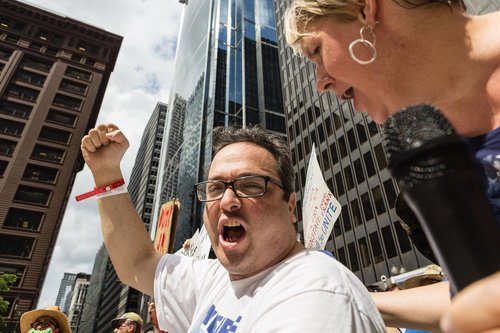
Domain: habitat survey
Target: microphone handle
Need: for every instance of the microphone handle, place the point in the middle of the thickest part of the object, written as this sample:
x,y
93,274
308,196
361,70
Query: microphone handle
x,y
459,224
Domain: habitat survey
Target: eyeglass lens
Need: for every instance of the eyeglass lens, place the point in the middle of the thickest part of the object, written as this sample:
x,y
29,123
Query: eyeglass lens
x,y
243,187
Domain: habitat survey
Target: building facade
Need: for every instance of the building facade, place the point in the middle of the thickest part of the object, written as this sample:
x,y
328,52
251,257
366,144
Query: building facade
x,y
227,73
77,300
368,237
54,72
63,295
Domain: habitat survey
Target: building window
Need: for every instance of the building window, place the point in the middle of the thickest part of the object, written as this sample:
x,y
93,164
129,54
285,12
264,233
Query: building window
x,y
370,166
52,51
367,207
404,241
16,246
73,87
15,109
358,170
275,122
77,73
61,118
7,147
379,201
22,92
352,140
353,257
12,39
41,65
380,156
67,102
342,147
40,173
348,177
48,154
5,53
390,247
346,219
376,248
356,212
29,77
372,128
339,184
335,156
10,127
16,270
390,192
23,219
33,195
364,252
52,134
337,231
341,256
36,46
360,129
3,167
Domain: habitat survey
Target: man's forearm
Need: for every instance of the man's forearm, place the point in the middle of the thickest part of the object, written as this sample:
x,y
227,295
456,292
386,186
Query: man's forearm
x,y
128,243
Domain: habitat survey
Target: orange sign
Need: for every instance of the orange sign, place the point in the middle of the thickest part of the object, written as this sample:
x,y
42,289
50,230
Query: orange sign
x,y
167,223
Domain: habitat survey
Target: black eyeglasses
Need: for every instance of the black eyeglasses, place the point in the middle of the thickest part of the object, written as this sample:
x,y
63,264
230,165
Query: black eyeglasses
x,y
243,187
43,323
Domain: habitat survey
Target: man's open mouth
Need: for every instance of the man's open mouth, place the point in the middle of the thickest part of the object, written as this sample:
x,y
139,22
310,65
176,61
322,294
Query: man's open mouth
x,y
232,232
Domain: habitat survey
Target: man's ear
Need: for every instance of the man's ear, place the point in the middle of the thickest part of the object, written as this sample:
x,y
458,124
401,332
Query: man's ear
x,y
292,203
369,13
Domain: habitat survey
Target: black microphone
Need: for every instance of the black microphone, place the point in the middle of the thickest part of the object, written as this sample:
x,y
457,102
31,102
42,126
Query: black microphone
x,y
440,182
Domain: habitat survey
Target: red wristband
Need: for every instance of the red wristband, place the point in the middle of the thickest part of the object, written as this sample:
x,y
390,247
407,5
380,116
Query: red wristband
x,y
99,190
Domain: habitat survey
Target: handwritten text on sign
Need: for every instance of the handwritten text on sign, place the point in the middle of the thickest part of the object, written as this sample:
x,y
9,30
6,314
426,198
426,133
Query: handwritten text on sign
x,y
320,209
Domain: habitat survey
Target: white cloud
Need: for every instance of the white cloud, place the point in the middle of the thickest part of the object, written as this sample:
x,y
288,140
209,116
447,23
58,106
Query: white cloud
x,y
141,78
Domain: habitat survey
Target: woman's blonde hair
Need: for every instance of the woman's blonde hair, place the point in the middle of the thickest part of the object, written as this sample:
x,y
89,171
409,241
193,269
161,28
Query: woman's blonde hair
x,y
302,12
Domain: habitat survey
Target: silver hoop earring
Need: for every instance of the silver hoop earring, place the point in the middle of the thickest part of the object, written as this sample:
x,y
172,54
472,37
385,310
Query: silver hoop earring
x,y
370,44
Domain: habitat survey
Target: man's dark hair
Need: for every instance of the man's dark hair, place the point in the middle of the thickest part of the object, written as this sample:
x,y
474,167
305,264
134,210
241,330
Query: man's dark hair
x,y
273,143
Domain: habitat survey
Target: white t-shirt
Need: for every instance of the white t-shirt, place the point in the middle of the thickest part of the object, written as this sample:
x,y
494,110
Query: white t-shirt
x,y
309,292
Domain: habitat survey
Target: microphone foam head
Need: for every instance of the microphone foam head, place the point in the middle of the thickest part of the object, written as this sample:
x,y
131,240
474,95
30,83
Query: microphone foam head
x,y
413,126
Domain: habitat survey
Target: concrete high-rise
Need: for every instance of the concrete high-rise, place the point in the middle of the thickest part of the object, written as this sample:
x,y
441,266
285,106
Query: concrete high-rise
x,y
227,73
368,237
54,72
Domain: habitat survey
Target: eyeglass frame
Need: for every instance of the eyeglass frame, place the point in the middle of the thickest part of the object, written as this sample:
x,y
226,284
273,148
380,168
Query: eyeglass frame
x,y
43,323
228,184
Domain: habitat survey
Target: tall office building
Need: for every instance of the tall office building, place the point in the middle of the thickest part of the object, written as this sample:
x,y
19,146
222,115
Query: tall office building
x,y
368,237
54,72
65,291
227,72
77,301
102,295
108,298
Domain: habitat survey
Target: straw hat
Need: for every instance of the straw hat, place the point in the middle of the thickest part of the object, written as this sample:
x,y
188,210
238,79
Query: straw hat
x,y
432,273
130,316
51,311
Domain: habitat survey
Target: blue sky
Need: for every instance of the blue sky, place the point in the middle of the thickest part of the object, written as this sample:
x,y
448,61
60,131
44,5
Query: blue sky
x,y
142,77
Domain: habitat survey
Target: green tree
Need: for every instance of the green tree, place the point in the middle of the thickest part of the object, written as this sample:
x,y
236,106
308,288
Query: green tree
x,y
5,281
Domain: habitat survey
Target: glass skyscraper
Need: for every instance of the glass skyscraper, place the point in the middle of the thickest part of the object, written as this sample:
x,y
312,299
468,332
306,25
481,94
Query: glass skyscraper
x,y
226,73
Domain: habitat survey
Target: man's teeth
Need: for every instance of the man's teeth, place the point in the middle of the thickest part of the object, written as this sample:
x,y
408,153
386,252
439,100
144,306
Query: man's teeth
x,y
231,239
232,224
